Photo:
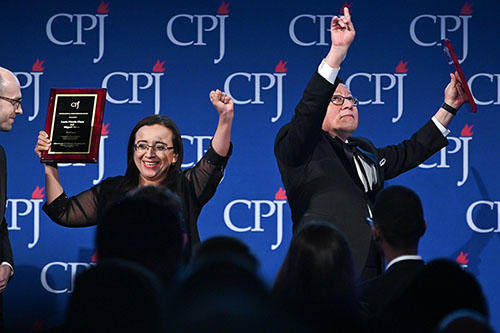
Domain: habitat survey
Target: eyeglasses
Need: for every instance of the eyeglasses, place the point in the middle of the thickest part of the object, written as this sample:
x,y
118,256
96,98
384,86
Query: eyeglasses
x,y
339,100
15,102
157,147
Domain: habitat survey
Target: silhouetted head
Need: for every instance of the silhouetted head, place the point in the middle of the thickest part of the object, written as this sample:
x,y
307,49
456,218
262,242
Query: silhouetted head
x,y
399,217
464,321
220,291
315,283
145,227
116,296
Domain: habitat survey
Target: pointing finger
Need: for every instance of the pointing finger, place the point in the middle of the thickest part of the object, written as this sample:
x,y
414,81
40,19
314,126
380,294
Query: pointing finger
x,y
346,13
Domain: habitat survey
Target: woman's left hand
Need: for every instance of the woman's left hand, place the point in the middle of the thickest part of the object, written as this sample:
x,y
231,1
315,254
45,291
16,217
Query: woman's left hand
x,y
223,103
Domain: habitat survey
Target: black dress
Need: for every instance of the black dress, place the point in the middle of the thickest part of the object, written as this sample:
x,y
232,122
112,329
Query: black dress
x,y
194,186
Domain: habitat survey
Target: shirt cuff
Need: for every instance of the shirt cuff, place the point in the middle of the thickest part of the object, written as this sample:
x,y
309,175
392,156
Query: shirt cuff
x,y
440,126
11,268
327,72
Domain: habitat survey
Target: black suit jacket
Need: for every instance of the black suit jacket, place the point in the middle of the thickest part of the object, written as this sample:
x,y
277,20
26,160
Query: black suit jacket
x,y
5,248
377,293
321,182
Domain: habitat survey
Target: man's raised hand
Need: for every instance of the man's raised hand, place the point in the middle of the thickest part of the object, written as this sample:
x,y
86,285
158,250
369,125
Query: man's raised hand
x,y
342,33
342,30
454,94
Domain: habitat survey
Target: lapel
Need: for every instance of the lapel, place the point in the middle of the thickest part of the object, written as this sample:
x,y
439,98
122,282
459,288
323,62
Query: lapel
x,y
366,147
348,163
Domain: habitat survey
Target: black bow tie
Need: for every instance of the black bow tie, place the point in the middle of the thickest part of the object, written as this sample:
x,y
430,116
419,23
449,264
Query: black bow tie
x,y
350,148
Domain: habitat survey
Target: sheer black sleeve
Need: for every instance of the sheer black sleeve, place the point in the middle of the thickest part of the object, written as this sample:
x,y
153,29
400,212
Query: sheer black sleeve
x,y
83,210
206,175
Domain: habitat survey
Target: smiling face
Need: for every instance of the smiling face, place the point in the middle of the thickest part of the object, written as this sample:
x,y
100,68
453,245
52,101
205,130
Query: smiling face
x,y
341,120
9,89
153,165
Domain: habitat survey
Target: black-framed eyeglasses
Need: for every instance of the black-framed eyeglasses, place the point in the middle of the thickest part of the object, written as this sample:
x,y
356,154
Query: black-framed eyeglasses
x,y
339,100
15,102
158,147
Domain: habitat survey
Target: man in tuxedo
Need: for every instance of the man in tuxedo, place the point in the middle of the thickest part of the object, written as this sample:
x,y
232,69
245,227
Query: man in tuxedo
x,y
330,175
397,226
10,107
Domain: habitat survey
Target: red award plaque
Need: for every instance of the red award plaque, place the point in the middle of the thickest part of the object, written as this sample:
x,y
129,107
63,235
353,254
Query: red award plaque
x,y
74,121
455,67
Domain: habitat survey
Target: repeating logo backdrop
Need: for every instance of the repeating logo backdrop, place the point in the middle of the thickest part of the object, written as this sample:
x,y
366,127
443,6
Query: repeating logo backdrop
x,y
164,57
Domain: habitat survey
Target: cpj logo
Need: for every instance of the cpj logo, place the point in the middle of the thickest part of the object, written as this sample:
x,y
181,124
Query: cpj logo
x,y
117,82
462,259
32,79
180,24
245,208
461,145
195,146
60,24
239,81
484,208
55,275
29,211
312,29
485,89
422,29
380,82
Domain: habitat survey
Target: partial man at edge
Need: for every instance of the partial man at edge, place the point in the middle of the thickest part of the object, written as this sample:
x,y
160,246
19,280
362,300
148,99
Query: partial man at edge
x,y
10,107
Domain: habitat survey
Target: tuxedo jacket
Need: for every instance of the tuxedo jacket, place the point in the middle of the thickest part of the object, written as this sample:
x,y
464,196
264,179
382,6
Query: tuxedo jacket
x,y
5,248
322,183
377,293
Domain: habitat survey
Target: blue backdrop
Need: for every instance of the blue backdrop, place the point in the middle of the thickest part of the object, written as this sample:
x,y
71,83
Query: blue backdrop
x,y
165,56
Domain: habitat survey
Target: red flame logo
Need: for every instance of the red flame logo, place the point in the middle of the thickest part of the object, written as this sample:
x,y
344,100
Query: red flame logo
x,y
467,130
280,67
401,67
38,66
462,258
38,193
103,8
467,9
94,257
223,8
104,129
280,195
158,67
348,5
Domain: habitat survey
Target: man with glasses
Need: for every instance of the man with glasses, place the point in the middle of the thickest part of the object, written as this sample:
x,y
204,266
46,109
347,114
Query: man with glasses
x,y
10,107
330,175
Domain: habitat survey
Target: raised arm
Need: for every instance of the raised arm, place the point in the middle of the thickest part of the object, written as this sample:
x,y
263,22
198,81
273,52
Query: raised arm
x,y
225,107
53,187
82,209
454,96
297,139
342,34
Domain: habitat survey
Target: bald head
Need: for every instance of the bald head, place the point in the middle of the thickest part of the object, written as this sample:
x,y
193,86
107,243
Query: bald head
x,y
10,98
6,78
